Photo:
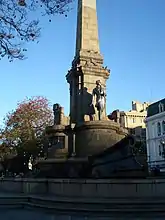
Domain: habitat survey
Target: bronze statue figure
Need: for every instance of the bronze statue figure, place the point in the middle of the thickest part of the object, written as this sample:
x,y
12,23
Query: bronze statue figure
x,y
56,111
99,92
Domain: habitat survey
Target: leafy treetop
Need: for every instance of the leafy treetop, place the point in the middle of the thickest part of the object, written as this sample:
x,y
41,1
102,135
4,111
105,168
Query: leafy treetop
x,y
26,125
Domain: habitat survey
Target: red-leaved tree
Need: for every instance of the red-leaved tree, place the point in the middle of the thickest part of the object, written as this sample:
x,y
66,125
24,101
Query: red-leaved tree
x,y
17,27
25,126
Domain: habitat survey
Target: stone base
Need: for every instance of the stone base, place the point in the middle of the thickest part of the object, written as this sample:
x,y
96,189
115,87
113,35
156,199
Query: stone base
x,y
59,141
63,168
93,137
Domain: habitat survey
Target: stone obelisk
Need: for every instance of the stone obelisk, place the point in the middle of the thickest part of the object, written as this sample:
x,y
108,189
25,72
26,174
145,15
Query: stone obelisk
x,y
87,66
87,27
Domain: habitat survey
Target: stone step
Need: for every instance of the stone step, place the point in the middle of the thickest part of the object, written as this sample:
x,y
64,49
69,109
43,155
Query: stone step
x,y
87,206
111,212
11,206
98,201
156,205
12,200
82,201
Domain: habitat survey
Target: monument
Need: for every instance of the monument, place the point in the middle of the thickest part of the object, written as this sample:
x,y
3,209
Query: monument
x,y
88,130
87,80
87,66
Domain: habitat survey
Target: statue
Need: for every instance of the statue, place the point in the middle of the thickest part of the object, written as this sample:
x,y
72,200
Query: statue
x,y
99,92
56,110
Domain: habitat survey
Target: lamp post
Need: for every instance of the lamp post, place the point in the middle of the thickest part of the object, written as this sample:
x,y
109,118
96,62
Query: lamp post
x,y
74,140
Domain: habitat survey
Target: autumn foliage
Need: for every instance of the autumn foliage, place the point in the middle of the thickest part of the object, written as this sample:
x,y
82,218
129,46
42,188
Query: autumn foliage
x,y
6,151
24,127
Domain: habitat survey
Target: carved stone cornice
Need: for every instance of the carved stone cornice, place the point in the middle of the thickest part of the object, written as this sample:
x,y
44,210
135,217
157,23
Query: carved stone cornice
x,y
88,65
88,70
88,56
96,71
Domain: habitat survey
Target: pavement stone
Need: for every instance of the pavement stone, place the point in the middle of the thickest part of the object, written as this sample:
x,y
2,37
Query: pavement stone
x,y
28,214
20,214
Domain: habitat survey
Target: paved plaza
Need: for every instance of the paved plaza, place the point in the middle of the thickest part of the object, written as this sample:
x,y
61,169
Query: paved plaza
x,y
33,215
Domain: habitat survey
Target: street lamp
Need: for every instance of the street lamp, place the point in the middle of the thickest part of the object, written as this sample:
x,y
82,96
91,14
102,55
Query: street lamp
x,y
162,142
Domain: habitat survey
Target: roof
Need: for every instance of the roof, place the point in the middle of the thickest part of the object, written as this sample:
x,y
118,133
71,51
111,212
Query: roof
x,y
136,113
153,109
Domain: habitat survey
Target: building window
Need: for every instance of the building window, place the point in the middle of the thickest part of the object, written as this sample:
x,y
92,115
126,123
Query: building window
x,y
161,107
160,152
163,126
163,152
159,128
134,120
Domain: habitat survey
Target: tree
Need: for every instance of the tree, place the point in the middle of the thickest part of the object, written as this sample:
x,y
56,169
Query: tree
x,y
6,151
24,128
16,27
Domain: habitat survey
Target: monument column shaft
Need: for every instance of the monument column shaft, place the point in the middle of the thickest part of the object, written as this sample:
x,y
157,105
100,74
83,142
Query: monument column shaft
x,y
87,27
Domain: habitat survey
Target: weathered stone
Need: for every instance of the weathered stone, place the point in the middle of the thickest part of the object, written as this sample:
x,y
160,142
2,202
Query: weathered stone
x,y
58,140
87,24
95,136
88,58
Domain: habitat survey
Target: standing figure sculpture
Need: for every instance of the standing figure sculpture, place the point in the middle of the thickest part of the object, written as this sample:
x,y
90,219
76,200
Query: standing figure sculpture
x,y
56,111
99,92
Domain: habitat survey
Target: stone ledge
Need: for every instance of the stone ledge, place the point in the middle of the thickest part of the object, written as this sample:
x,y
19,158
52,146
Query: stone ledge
x,y
55,129
98,125
87,189
90,181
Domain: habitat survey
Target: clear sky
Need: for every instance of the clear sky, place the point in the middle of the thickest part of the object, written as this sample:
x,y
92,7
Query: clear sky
x,y
132,40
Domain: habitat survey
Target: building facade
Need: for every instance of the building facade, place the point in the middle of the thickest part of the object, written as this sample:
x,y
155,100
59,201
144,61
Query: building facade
x,y
133,120
155,135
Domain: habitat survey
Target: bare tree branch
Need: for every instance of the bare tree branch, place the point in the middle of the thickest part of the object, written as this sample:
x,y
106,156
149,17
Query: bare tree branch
x,y
16,27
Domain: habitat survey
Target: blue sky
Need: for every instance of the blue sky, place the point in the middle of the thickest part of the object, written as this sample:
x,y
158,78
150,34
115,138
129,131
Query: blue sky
x,y
132,40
